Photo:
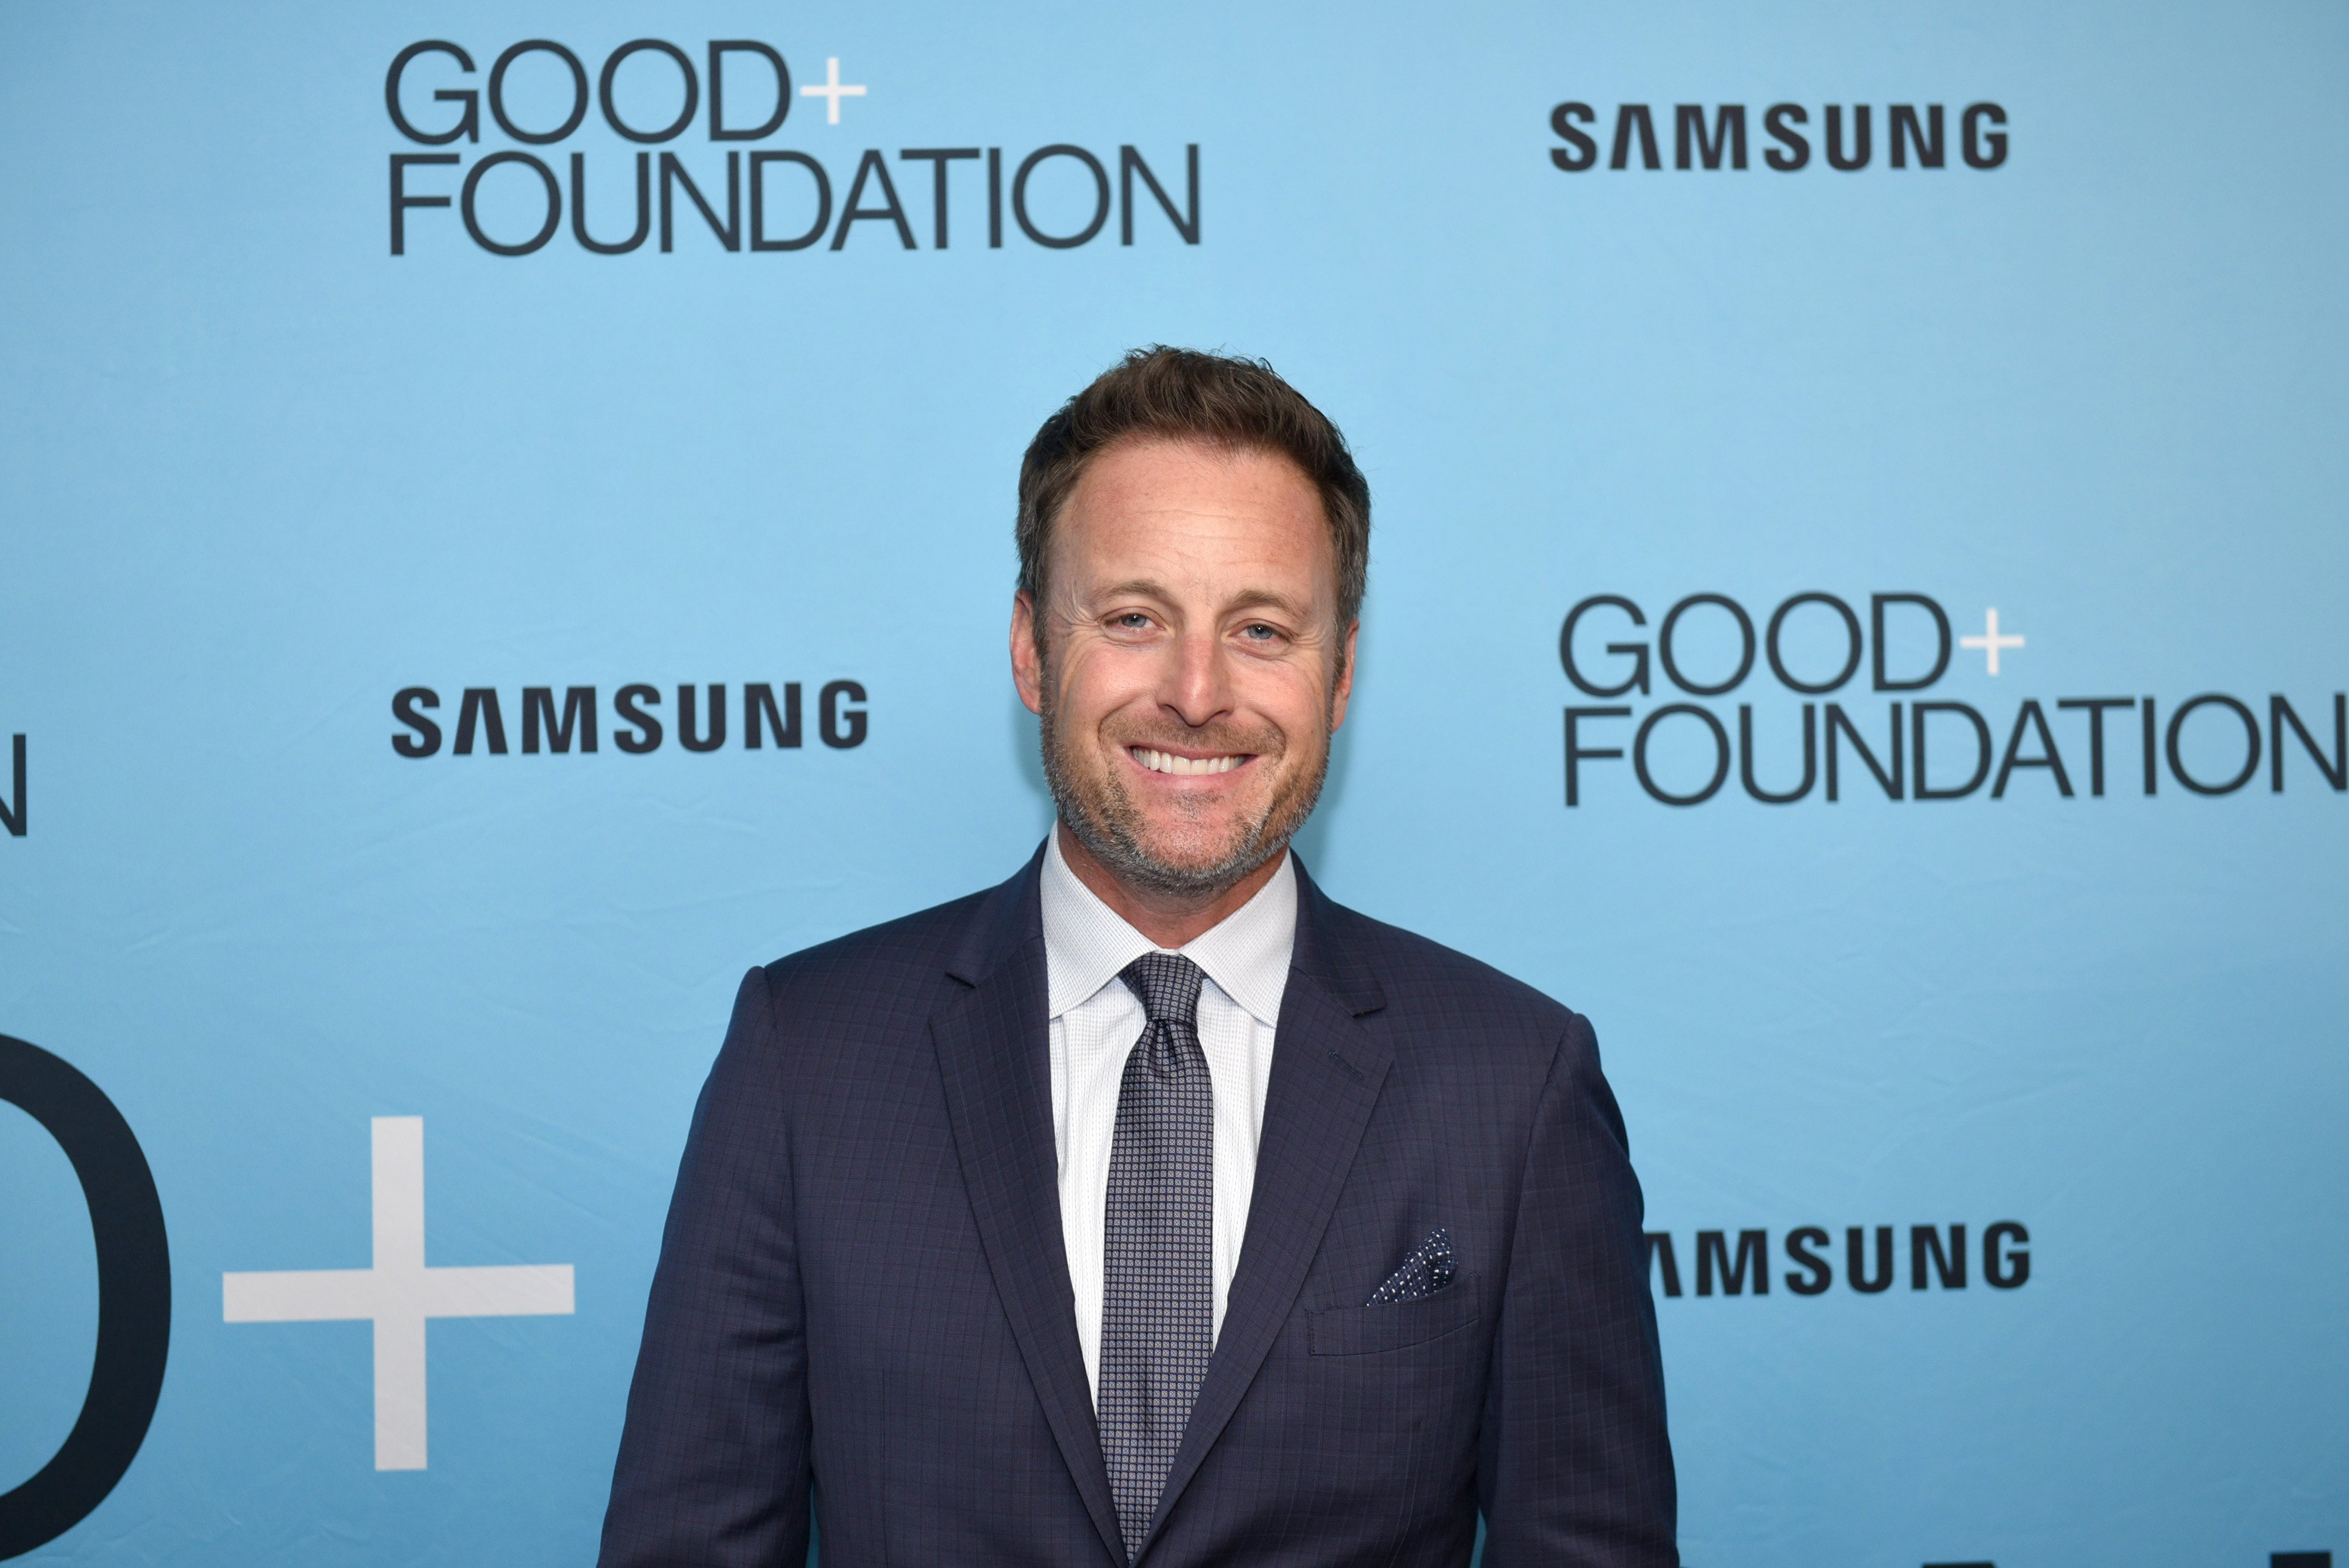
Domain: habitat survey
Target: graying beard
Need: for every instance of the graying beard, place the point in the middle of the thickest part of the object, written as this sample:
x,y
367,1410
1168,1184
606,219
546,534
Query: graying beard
x,y
1115,844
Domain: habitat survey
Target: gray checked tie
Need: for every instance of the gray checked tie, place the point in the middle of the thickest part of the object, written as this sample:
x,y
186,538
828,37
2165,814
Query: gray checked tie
x,y
1158,1272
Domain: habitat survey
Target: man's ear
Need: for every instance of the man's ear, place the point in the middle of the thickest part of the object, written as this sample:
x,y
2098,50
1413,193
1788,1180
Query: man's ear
x,y
1343,687
1027,658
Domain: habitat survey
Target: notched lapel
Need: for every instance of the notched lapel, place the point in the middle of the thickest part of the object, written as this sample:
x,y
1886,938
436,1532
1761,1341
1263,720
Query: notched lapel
x,y
995,1058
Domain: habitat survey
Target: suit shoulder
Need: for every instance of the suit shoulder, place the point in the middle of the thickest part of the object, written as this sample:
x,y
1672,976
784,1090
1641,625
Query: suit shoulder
x,y
1422,978
897,953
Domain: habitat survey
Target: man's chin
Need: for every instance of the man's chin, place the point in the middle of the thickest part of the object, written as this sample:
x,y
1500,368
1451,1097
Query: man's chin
x,y
1183,863
1221,868
1195,844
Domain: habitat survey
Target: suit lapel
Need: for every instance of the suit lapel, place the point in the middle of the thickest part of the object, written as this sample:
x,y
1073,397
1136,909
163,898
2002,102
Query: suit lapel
x,y
1327,1070
994,1055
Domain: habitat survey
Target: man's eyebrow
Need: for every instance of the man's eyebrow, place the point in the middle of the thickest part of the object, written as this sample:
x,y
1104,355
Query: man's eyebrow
x,y
1265,598
1247,599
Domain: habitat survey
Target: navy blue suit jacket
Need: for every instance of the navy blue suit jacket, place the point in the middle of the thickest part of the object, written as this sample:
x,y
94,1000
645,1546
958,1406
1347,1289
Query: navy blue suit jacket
x,y
862,1300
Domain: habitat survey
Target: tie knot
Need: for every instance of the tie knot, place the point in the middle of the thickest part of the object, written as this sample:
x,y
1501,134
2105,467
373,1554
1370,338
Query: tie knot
x,y
1168,985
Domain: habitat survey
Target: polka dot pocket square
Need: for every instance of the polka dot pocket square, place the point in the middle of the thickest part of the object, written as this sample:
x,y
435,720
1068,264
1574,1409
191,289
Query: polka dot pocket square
x,y
1428,1269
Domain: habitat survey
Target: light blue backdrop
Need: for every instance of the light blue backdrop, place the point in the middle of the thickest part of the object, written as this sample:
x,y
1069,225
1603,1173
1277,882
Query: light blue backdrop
x,y
260,475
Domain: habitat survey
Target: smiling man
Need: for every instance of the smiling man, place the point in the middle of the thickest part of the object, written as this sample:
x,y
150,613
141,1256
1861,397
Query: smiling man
x,y
1151,1205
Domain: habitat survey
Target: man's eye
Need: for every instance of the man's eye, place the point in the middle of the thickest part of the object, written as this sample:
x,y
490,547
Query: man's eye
x,y
1134,621
1259,632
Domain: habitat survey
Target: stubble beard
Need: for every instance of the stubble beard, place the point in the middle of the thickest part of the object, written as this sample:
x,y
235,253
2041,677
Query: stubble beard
x,y
1106,821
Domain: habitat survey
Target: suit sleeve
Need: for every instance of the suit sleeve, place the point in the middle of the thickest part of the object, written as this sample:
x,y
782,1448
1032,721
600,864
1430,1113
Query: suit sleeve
x,y
1575,1468
713,1470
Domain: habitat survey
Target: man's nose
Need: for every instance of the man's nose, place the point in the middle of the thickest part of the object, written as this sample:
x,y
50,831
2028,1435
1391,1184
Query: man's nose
x,y
1199,685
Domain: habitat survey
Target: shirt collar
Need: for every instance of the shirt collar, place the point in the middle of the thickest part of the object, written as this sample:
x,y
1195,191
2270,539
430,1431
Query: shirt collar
x,y
1086,942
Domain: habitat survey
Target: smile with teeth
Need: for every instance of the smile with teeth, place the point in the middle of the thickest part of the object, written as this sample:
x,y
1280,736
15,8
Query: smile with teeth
x,y
1159,762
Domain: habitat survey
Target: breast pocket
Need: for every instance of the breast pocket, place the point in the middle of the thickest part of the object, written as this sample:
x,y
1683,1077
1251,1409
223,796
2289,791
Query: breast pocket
x,y
1393,1326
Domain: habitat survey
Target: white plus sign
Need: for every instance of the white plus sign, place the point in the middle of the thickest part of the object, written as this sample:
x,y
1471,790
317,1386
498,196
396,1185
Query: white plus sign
x,y
398,1293
832,89
1989,643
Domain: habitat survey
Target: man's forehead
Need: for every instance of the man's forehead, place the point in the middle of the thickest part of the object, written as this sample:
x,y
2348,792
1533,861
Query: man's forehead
x,y
1171,511
1162,471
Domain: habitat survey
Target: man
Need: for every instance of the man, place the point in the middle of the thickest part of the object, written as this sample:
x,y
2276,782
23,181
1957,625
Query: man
x,y
1152,1207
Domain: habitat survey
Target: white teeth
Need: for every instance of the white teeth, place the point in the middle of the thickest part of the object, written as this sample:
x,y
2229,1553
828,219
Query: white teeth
x,y
1168,762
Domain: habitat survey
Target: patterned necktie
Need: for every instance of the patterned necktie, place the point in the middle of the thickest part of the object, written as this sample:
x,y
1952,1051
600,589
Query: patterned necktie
x,y
1158,1274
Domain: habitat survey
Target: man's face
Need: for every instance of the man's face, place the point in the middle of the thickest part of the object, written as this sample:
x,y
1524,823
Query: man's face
x,y
1192,669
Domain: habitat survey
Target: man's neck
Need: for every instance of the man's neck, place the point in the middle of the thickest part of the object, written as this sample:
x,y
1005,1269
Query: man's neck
x,y
1168,920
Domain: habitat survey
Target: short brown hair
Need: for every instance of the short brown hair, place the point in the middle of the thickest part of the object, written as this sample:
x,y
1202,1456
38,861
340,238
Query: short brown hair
x,y
1183,394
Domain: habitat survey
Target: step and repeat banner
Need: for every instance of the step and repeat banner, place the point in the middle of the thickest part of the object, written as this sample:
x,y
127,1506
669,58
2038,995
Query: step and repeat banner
x,y
507,522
